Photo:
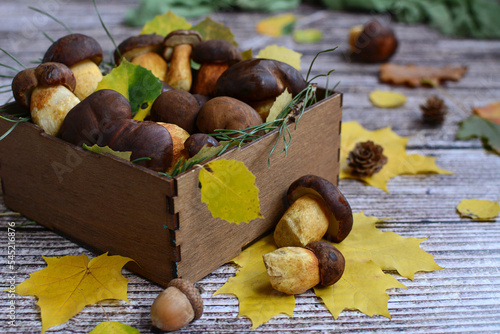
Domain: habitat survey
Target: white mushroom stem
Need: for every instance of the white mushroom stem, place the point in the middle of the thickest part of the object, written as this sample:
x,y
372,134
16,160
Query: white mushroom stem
x,y
179,72
153,62
49,106
87,75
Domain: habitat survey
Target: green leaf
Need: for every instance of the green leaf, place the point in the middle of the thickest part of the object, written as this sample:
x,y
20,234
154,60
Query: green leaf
x,y
113,327
99,150
136,83
165,24
228,188
475,126
210,29
307,35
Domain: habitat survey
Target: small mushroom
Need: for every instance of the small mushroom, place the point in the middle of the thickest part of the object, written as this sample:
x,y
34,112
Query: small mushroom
x,y
178,48
177,107
82,54
22,86
315,197
224,112
197,141
143,50
258,82
373,42
215,57
178,305
85,123
53,97
331,261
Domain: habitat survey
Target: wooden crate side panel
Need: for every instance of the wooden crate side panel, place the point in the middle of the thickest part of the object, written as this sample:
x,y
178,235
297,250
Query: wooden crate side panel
x,y
205,242
96,200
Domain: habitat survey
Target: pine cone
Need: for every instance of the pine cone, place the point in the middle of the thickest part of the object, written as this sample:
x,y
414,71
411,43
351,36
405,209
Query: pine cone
x,y
366,159
434,111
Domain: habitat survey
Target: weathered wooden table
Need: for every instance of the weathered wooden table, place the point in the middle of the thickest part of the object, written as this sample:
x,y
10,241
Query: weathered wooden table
x,y
463,297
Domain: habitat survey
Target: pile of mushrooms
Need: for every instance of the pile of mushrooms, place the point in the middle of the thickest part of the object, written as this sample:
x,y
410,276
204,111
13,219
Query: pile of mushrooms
x,y
226,92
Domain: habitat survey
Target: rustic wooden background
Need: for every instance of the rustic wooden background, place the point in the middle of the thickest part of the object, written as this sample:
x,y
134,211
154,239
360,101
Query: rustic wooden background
x,y
464,297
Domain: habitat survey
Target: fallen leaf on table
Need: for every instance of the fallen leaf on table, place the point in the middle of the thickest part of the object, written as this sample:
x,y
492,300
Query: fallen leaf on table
x,y
367,252
164,24
210,29
114,327
387,99
307,35
415,76
398,161
491,112
131,80
282,54
479,209
475,126
228,188
69,283
100,150
279,104
276,26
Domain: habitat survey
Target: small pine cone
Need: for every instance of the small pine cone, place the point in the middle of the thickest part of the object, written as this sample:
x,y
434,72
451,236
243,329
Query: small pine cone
x,y
366,159
434,111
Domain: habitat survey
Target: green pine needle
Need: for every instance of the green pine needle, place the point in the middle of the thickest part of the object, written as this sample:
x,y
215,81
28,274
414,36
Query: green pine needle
x,y
52,17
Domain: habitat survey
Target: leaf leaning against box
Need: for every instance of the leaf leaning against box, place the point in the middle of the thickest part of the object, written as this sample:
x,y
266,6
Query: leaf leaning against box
x,y
99,150
114,327
210,29
475,126
228,188
136,83
164,24
479,209
281,53
69,283
279,104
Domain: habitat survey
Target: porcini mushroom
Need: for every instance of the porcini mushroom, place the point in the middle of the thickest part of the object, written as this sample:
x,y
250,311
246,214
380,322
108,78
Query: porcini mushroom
x,y
215,57
143,50
258,82
373,42
53,97
178,48
317,209
224,112
82,54
22,86
177,107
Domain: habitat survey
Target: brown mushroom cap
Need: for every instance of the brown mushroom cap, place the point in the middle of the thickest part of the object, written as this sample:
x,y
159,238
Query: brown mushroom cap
x,y
72,49
376,43
86,121
225,112
330,259
137,45
216,51
341,213
180,37
254,80
196,141
177,107
55,74
22,86
192,294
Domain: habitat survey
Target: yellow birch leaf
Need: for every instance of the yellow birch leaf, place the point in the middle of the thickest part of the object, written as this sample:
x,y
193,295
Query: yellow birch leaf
x,y
479,209
387,99
228,188
282,54
114,327
164,24
307,35
398,161
276,26
362,287
259,302
69,283
105,149
279,104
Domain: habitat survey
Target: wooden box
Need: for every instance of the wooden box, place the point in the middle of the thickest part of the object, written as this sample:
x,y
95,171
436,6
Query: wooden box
x,y
111,205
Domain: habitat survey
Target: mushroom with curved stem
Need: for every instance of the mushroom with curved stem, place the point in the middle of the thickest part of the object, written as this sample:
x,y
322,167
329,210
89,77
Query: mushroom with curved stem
x,y
143,50
82,54
178,48
317,210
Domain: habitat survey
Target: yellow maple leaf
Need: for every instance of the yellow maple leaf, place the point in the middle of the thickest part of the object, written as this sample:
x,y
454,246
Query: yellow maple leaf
x,y
69,283
479,209
114,327
398,161
228,188
276,26
363,285
387,99
282,54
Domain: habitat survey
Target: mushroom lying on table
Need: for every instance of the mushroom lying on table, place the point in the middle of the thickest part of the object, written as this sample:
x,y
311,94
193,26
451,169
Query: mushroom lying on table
x,y
82,54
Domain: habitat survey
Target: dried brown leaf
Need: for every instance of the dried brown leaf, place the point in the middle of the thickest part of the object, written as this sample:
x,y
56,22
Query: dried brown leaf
x,y
414,76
